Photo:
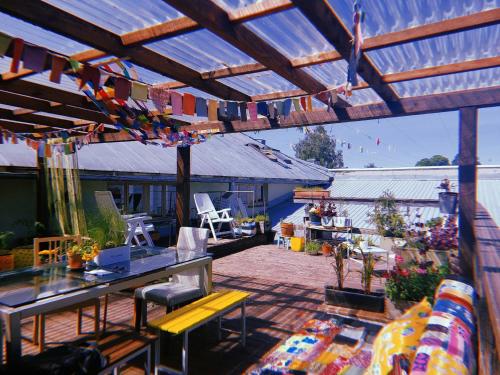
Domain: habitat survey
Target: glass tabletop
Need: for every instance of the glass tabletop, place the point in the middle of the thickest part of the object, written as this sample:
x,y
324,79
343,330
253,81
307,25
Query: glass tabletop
x,y
32,284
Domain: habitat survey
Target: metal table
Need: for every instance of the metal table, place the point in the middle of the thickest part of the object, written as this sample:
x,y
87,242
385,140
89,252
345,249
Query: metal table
x,y
34,290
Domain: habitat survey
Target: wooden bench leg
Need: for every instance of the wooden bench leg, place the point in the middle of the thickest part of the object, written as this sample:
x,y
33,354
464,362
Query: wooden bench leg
x,y
243,325
105,313
79,315
185,345
41,332
138,310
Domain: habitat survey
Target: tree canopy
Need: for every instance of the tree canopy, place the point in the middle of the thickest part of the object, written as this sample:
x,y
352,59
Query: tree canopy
x,y
320,147
370,165
436,160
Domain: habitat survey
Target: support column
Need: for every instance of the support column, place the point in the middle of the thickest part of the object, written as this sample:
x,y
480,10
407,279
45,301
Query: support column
x,y
183,187
467,186
42,208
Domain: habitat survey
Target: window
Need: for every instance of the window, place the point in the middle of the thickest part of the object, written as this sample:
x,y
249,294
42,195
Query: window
x,y
155,200
118,192
170,200
135,198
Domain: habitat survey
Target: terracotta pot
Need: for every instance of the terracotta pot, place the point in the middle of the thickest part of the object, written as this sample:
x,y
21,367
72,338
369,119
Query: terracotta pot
x,y
6,262
326,248
287,229
75,261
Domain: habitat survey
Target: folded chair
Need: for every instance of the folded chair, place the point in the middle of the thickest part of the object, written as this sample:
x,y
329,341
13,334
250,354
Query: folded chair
x,y
135,222
50,250
185,286
210,215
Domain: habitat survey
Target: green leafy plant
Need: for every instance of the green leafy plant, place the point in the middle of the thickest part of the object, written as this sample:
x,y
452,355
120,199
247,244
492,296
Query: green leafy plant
x,y
313,248
412,282
386,216
6,240
259,218
107,230
338,263
244,220
367,271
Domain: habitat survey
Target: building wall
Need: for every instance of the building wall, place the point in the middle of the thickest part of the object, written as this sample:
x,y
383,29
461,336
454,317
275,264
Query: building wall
x,y
17,206
278,193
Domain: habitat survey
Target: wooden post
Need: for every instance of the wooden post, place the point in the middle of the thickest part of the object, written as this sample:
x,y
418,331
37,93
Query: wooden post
x,y
183,191
42,208
467,186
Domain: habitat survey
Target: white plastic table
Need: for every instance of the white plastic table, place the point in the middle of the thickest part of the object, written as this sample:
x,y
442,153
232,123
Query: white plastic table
x,y
370,250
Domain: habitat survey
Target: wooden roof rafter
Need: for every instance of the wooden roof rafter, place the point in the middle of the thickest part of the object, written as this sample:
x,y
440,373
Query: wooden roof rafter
x,y
55,19
217,20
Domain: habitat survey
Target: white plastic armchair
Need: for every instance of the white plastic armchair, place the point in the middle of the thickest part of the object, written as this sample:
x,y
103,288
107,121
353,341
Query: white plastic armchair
x,y
135,222
209,215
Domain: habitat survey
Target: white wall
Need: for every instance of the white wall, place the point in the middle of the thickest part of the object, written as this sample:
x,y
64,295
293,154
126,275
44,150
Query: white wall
x,y
277,191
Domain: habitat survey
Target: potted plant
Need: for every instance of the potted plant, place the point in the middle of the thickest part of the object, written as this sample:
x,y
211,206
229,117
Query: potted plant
x,y
313,248
262,220
6,257
388,220
409,282
77,254
247,225
448,200
327,211
314,215
362,299
326,249
310,192
286,229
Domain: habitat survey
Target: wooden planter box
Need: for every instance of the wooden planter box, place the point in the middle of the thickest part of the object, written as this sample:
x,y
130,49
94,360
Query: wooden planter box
x,y
354,299
438,257
394,310
311,194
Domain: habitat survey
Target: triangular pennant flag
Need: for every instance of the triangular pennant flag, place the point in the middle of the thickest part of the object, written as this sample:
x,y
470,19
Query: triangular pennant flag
x,y
122,88
139,91
296,104
303,103
252,110
16,54
201,107
188,104
212,110
58,64
309,104
4,44
34,58
243,111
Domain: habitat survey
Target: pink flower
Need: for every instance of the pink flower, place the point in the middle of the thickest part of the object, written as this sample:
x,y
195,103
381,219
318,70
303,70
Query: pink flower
x,y
399,259
421,271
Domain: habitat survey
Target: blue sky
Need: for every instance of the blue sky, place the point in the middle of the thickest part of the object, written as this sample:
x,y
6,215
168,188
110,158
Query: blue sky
x,y
404,140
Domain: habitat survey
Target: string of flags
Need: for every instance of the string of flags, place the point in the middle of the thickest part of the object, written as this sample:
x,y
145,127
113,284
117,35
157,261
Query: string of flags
x,y
116,91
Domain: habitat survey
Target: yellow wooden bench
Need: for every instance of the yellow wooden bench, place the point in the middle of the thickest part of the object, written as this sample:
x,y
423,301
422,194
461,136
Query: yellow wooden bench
x,y
198,313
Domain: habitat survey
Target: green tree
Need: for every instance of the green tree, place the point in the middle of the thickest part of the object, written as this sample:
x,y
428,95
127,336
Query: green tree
x,y
370,165
456,159
436,160
321,147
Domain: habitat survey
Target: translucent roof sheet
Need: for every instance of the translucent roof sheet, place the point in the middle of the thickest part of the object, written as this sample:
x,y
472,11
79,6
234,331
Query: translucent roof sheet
x,y
330,74
66,83
230,5
259,83
364,96
387,16
201,50
446,49
38,36
450,82
290,33
120,16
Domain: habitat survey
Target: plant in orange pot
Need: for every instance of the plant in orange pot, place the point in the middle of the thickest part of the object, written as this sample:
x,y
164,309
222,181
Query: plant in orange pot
x,y
79,253
326,249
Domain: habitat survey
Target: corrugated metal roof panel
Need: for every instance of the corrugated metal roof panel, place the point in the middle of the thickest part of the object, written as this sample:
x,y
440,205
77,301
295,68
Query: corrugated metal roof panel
x,y
120,16
259,83
221,156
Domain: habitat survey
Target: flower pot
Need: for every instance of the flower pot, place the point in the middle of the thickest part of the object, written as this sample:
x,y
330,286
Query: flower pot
x,y
6,262
314,219
448,202
327,221
339,221
75,261
248,229
287,229
297,243
326,249
261,227
311,194
354,299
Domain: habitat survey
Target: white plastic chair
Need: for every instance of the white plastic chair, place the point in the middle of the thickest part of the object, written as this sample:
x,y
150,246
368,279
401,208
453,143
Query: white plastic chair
x,y
210,215
186,285
135,222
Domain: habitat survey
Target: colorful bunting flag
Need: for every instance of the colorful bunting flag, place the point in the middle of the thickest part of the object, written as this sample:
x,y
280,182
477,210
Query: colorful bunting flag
x,y
160,97
212,110
222,109
287,106
309,104
201,107
4,44
279,108
252,111
139,91
34,58
303,103
271,110
176,100
122,88
262,108
188,104
296,104
243,111
91,75
16,54
232,110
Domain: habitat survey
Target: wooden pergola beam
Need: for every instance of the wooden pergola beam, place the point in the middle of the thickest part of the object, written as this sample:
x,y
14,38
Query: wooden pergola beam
x,y
217,20
36,119
55,19
322,16
34,104
480,98
184,24
23,127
